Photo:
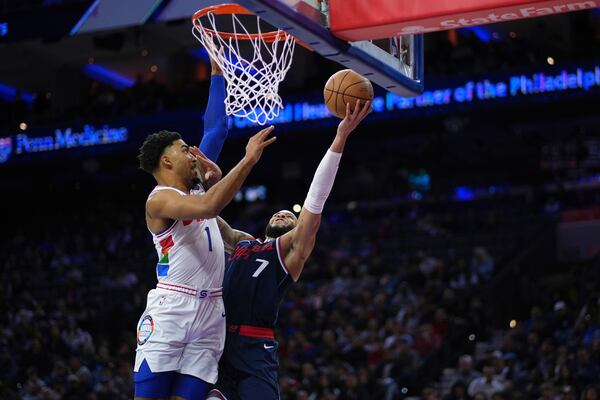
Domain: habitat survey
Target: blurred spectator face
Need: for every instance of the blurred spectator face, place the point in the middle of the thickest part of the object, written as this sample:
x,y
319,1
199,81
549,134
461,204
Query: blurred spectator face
x,y
465,363
324,381
329,338
458,390
590,393
567,393
547,391
74,364
351,381
430,394
32,372
498,361
59,369
440,315
533,339
536,313
488,372
480,396
49,394
583,356
308,370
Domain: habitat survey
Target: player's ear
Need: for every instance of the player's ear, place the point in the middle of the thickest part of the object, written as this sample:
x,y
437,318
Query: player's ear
x,y
165,160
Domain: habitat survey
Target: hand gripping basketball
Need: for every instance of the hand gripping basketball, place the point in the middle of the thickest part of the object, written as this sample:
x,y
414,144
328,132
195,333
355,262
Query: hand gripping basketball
x,y
353,118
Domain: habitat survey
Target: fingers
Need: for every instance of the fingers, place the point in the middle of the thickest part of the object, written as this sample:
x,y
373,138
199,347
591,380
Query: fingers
x,y
358,113
197,152
357,109
210,175
262,135
366,110
265,132
268,142
347,111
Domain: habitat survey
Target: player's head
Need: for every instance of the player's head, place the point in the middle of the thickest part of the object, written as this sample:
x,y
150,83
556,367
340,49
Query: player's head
x,y
166,151
280,223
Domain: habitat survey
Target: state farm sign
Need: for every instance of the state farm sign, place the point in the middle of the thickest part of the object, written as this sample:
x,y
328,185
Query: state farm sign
x,y
481,18
350,21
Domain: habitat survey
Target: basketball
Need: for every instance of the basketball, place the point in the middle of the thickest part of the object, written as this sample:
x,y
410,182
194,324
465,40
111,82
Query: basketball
x,y
346,86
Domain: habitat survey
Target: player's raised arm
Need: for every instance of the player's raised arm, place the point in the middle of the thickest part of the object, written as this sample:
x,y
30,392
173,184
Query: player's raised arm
x,y
298,244
215,119
171,205
231,237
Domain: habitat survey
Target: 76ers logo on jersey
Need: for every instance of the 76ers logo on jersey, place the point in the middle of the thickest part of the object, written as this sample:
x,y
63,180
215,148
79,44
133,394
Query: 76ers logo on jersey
x,y
145,330
245,252
203,294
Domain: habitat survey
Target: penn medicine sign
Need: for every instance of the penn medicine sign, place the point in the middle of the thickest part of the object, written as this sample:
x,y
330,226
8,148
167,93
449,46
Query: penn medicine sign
x,y
89,136
67,139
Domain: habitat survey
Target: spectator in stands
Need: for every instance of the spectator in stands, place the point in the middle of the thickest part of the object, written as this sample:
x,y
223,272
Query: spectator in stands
x,y
465,372
482,263
590,393
487,384
458,392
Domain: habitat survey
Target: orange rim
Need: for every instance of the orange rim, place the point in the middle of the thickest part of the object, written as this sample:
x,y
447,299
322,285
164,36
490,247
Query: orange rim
x,y
230,8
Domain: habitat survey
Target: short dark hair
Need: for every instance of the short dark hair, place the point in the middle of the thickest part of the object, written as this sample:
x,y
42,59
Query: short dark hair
x,y
153,148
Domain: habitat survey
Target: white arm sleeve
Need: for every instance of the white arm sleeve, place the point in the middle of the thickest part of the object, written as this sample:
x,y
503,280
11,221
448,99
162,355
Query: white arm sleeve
x,y
322,182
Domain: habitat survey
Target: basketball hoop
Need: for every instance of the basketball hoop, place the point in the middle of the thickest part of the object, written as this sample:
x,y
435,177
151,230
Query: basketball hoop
x,y
252,78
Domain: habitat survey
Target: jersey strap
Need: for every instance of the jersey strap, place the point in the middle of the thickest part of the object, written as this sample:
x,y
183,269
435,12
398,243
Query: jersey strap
x,y
159,188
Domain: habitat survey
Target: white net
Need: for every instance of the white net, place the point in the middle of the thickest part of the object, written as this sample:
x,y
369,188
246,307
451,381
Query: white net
x,y
253,77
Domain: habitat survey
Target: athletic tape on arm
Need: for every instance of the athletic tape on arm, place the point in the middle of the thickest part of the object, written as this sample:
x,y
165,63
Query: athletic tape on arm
x,y
322,182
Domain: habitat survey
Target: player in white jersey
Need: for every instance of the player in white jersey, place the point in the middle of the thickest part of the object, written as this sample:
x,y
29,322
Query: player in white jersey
x,y
181,333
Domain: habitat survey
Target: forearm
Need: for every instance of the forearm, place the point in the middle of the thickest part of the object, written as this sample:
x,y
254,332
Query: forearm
x,y
339,142
324,178
223,191
215,120
306,233
230,236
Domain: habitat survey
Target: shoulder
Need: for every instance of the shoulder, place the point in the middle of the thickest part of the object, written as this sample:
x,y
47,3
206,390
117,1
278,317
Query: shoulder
x,y
159,198
165,191
253,244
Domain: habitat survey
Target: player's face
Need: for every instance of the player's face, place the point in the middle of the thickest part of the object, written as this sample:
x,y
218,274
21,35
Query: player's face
x,y
280,223
182,161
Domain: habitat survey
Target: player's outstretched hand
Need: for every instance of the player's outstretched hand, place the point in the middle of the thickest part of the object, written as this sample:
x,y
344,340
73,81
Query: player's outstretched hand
x,y
352,119
257,144
210,171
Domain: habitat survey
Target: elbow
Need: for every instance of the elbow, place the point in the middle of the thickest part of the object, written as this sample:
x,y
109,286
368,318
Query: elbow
x,y
211,207
212,211
205,211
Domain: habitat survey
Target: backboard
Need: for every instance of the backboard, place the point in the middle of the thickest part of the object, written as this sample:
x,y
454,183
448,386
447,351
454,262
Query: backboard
x,y
396,63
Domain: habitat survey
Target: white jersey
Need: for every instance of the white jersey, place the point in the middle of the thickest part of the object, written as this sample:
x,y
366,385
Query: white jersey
x,y
190,252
